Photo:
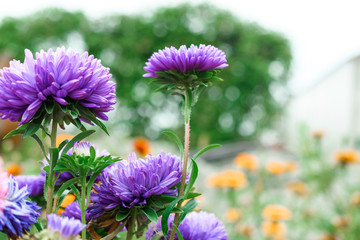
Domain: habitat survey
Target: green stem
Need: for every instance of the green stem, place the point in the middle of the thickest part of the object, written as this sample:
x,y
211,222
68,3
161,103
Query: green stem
x,y
51,180
83,206
131,225
187,114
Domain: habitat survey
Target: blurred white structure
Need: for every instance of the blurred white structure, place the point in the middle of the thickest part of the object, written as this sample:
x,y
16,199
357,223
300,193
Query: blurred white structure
x,y
331,106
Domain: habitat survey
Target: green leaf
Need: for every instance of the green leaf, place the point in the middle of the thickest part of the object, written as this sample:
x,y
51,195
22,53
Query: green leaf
x,y
205,149
90,116
37,139
92,153
193,177
177,210
176,140
54,156
192,195
61,168
189,206
166,214
63,143
19,130
49,107
156,203
180,237
150,213
66,185
60,198
91,183
31,129
46,168
76,191
38,226
77,138
121,215
3,236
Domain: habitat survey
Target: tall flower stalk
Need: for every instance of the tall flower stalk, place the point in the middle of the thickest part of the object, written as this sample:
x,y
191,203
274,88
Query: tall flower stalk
x,y
187,115
51,178
186,72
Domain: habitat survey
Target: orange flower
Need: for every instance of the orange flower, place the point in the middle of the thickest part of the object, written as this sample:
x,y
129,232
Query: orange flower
x,y
142,146
233,214
14,169
297,187
275,229
346,156
276,167
246,161
355,199
341,221
328,237
228,178
276,213
318,134
62,137
244,230
66,201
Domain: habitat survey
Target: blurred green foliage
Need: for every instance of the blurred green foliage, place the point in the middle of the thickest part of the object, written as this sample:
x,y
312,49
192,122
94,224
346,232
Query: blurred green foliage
x,y
248,101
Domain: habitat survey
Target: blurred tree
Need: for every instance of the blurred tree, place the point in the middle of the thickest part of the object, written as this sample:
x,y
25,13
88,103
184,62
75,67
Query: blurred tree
x,y
247,102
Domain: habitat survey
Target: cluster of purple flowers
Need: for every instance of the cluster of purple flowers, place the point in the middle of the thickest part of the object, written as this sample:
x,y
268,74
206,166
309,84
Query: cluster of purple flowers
x,y
195,226
130,183
17,213
61,76
67,78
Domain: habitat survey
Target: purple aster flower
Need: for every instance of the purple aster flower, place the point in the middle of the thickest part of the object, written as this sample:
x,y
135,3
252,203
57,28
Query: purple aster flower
x,y
62,77
73,211
67,227
130,183
34,184
195,226
202,58
18,214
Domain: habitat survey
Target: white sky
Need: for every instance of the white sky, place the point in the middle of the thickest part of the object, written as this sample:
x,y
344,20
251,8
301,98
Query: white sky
x,y
323,34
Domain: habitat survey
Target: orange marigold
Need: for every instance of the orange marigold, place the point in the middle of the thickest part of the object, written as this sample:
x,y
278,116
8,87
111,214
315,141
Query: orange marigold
x,y
355,199
66,201
228,178
275,229
328,237
142,146
244,230
14,169
276,213
341,221
318,134
233,214
346,156
247,161
276,167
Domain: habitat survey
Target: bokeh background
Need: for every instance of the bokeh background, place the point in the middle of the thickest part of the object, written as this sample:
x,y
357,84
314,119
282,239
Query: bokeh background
x,y
290,100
